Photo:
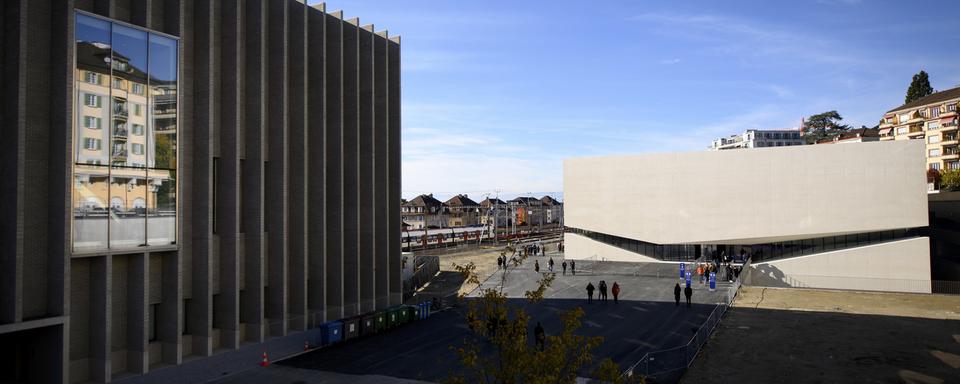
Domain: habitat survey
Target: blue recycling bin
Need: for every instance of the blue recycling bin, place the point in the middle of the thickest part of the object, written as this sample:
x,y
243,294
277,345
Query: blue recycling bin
x,y
713,281
689,276
331,332
683,270
424,309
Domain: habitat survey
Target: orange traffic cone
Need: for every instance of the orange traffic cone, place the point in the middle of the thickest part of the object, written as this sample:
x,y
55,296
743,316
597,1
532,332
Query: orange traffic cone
x,y
306,345
264,361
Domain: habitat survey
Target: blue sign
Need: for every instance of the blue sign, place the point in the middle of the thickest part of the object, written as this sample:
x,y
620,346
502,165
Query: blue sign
x,y
683,269
689,275
713,281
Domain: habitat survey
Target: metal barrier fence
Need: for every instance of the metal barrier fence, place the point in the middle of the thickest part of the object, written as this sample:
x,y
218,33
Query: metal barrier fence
x,y
660,362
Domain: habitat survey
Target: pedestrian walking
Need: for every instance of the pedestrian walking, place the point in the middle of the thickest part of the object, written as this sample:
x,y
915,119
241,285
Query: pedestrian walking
x,y
589,293
536,266
688,292
615,291
499,262
550,264
676,294
603,291
540,336
573,267
564,265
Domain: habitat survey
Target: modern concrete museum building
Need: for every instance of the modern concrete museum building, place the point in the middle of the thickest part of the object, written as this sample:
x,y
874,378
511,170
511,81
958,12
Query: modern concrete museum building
x,y
832,216
183,179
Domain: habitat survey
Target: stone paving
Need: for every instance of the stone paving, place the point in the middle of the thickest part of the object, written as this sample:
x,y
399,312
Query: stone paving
x,y
773,335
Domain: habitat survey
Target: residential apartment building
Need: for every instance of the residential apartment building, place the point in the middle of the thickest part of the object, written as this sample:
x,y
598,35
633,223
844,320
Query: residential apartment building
x,y
817,221
860,135
932,119
755,138
463,211
495,212
552,210
425,211
184,179
527,210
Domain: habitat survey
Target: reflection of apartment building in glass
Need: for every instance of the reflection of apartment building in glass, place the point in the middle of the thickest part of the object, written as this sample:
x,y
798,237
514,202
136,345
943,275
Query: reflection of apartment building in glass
x,y
187,179
755,138
931,119
831,216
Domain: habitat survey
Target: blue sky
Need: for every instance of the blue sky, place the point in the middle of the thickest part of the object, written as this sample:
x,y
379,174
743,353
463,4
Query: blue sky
x,y
497,93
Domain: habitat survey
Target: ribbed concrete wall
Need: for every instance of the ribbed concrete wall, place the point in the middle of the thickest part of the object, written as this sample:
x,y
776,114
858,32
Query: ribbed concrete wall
x,y
289,187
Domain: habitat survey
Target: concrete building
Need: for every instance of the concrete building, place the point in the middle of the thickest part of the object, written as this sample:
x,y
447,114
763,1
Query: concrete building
x,y
859,135
932,119
755,138
832,216
464,212
425,211
190,179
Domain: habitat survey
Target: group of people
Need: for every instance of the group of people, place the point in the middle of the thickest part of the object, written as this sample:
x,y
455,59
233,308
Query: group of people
x,y
602,286
688,292
534,250
725,271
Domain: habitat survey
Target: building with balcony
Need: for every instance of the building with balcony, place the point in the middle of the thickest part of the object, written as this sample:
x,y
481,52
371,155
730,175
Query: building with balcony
x,y
932,119
552,210
755,138
820,216
859,135
190,181
496,213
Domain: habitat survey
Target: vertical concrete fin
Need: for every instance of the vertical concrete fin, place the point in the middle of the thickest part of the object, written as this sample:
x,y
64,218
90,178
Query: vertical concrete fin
x,y
226,169
297,76
253,169
333,82
393,78
381,173
366,158
316,137
276,171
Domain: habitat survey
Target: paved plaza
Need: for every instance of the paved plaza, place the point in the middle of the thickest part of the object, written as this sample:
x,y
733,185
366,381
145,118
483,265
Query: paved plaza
x,y
645,319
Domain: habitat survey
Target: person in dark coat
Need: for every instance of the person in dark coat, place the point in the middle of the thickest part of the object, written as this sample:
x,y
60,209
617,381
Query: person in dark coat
x,y
676,294
499,262
550,264
540,336
603,291
615,291
564,265
688,292
573,267
589,293
536,265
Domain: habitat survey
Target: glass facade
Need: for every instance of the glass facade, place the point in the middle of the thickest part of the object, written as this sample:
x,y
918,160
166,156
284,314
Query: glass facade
x,y
758,252
125,137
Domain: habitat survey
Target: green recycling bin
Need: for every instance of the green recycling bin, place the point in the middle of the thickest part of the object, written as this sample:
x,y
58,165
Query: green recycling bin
x,y
393,317
381,320
413,312
404,314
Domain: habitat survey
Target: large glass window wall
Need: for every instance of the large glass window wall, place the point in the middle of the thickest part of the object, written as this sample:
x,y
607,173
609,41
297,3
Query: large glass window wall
x,y
125,183
757,252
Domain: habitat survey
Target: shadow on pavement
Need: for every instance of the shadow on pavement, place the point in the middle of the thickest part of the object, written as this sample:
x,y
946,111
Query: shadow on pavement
x,y
422,350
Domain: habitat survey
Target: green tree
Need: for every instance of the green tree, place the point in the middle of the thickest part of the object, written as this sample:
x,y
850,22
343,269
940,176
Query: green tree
x,y
950,180
499,351
823,126
919,87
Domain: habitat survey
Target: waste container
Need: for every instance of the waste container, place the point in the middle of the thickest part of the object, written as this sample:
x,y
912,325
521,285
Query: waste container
x,y
381,318
351,328
368,324
331,332
403,313
414,312
393,317
425,310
